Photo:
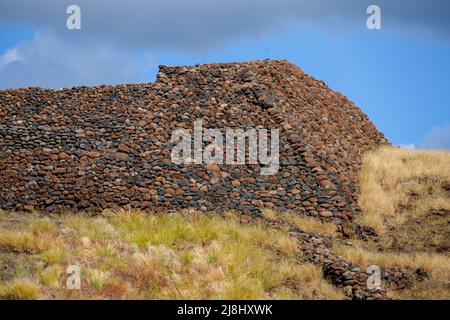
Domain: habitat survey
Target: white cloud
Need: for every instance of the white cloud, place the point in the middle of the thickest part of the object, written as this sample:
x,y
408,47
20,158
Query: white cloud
x,y
49,61
9,57
408,146
114,32
437,138
199,24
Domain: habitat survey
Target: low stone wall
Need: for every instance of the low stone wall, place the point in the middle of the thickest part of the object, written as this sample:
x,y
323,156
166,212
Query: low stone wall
x,y
106,146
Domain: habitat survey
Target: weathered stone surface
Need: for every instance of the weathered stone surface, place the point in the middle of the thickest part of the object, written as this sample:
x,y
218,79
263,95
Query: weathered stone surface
x,y
108,146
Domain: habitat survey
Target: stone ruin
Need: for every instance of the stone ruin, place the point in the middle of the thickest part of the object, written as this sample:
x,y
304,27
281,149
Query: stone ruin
x,y
90,148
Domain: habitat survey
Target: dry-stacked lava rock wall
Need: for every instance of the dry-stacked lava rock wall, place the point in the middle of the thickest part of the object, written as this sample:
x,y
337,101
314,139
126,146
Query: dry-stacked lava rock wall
x,y
106,146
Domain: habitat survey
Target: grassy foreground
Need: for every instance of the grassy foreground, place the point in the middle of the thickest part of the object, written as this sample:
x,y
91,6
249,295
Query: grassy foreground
x,y
405,198
133,255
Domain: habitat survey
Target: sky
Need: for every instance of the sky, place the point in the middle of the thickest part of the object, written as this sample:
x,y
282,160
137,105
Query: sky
x,y
398,75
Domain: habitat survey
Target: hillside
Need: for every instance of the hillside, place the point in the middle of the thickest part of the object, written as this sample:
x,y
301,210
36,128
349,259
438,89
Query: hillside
x,y
279,255
220,181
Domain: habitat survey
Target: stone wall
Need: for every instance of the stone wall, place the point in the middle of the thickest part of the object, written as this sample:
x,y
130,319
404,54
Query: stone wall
x,y
106,146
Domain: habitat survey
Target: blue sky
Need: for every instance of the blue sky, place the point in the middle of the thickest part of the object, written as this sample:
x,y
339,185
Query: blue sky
x,y
399,75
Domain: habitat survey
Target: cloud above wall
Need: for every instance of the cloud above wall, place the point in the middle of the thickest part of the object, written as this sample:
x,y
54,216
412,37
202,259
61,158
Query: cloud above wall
x,y
49,61
199,24
114,33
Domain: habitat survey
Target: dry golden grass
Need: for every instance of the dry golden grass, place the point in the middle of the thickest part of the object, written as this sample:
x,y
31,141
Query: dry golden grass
x,y
270,214
21,242
137,255
19,289
429,262
311,224
437,266
398,184
307,224
399,188
27,234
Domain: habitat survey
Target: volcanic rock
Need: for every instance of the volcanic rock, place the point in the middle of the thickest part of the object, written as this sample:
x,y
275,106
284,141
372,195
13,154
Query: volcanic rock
x,y
106,146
